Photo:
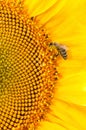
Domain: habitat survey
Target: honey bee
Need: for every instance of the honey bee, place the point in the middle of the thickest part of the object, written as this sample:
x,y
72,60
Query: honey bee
x,y
61,49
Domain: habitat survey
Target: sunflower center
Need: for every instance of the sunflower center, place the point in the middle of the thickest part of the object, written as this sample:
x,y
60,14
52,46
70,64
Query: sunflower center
x,y
27,71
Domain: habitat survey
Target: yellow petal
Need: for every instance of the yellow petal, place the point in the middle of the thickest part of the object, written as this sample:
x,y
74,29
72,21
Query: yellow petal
x,y
68,26
64,21
65,116
73,88
36,7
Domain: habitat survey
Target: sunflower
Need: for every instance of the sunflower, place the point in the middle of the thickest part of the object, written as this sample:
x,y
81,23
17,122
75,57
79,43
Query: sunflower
x,y
38,88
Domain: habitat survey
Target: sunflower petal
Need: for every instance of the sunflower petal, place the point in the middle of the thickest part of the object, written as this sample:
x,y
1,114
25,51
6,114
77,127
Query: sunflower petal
x,y
65,116
73,89
65,22
35,7
72,117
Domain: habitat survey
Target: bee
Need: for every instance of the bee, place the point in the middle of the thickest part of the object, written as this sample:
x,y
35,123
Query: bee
x,y
61,49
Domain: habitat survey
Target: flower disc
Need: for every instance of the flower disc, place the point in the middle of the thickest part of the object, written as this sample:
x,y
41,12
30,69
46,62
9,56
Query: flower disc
x,y
27,71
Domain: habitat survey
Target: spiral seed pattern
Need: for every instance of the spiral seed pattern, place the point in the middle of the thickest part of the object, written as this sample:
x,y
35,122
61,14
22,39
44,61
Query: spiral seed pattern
x,y
27,71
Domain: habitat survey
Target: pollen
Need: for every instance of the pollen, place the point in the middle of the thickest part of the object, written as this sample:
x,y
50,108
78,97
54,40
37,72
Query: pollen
x,y
27,69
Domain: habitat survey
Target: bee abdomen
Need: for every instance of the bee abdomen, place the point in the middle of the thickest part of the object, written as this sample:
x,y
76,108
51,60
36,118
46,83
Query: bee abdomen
x,y
63,53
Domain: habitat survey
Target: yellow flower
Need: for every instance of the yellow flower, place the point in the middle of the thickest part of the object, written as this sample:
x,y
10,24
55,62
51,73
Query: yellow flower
x,y
30,95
